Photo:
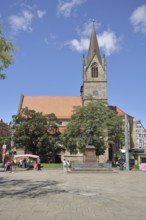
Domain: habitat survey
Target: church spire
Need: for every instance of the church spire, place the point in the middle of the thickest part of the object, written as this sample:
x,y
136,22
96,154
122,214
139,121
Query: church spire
x,y
93,47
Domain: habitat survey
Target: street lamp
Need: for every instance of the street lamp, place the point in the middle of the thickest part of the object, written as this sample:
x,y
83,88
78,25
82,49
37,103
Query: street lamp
x,y
11,141
4,148
126,143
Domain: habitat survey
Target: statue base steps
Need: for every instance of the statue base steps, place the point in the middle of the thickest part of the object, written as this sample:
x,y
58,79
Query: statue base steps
x,y
91,167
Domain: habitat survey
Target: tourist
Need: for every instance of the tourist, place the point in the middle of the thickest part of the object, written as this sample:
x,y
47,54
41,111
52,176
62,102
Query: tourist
x,y
39,164
8,165
121,165
64,165
21,163
14,164
35,165
117,165
68,165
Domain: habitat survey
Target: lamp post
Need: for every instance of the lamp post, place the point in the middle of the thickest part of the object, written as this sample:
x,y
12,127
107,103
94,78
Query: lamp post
x,y
126,143
3,153
11,141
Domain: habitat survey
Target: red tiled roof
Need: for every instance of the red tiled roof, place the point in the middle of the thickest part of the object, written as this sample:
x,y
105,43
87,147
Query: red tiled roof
x,y
61,106
118,111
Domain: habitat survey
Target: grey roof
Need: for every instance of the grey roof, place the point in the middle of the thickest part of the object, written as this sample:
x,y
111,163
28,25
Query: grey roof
x,y
93,47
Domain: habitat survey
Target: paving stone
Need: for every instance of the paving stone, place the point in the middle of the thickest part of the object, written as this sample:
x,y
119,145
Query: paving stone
x,y
53,195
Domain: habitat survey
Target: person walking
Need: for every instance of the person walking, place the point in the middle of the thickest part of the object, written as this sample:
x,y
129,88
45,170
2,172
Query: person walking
x,y
64,165
39,163
68,165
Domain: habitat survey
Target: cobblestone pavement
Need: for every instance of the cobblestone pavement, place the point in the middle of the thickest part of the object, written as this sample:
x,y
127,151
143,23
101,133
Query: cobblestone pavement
x,y
55,195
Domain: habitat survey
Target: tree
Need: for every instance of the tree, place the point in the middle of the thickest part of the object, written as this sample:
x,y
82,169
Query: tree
x,y
36,133
106,125
6,56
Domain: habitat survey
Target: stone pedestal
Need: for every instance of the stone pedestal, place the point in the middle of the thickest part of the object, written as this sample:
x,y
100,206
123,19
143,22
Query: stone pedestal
x,y
90,154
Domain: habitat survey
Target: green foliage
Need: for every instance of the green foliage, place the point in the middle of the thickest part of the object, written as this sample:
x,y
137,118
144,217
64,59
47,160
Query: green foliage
x,y
36,133
136,167
5,140
116,157
6,56
107,127
51,165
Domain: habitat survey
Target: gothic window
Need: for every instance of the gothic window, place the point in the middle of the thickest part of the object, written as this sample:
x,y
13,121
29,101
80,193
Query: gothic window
x,y
94,70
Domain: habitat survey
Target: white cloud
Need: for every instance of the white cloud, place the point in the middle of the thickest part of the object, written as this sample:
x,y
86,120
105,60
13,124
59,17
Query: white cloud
x,y
51,39
52,36
21,22
65,7
40,13
78,45
138,19
108,41
87,29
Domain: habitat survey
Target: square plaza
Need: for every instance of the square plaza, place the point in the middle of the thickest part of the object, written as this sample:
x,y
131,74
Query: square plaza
x,y
55,195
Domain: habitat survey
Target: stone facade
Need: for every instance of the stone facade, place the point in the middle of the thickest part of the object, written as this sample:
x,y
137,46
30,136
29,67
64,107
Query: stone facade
x,y
4,130
139,135
105,157
94,73
72,157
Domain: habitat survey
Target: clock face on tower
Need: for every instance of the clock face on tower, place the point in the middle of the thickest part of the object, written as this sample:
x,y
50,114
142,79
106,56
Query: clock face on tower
x,y
95,93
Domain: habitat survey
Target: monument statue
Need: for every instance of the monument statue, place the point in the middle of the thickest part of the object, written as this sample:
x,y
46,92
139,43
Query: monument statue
x,y
89,134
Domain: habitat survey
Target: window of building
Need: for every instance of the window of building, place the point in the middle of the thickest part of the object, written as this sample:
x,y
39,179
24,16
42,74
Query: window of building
x,y
94,70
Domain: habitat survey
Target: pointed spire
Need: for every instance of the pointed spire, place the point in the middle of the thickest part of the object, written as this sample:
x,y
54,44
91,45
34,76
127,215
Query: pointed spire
x,y
93,47
104,62
84,61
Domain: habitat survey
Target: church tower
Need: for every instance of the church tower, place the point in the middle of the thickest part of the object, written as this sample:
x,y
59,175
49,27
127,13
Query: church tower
x,y
94,73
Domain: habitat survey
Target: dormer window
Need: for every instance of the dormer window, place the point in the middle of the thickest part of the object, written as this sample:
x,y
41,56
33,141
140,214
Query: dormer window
x,y
94,70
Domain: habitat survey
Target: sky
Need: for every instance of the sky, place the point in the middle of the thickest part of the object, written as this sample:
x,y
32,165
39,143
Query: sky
x,y
51,37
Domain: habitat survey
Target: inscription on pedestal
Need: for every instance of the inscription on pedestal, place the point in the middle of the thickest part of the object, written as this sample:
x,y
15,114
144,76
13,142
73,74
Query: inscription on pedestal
x,y
90,154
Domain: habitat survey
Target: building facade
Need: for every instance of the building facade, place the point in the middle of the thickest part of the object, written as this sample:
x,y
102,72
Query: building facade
x,y
4,131
139,136
94,73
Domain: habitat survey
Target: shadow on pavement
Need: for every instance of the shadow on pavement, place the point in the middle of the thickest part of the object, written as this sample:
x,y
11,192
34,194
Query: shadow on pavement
x,y
27,188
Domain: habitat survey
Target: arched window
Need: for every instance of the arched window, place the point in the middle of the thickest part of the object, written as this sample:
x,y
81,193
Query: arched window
x,y
94,70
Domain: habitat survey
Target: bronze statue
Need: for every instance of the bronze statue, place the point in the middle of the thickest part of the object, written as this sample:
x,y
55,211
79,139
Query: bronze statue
x,y
89,134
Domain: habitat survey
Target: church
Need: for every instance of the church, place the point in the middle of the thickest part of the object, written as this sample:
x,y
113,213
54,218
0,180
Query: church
x,y
94,85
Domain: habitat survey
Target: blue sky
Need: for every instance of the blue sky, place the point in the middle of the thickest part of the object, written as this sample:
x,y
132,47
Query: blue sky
x,y
50,39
